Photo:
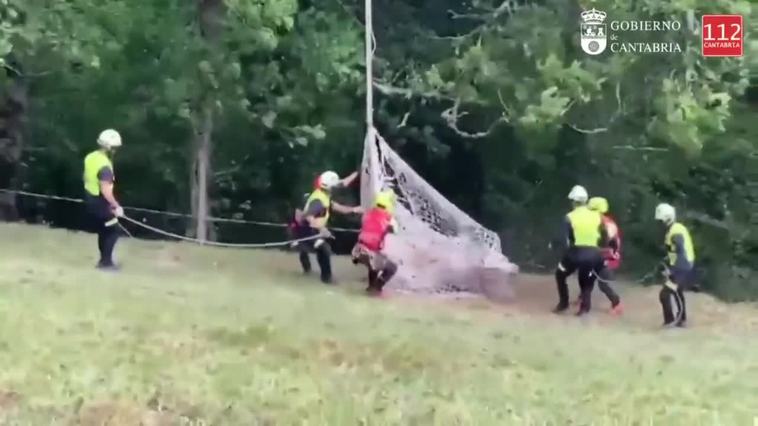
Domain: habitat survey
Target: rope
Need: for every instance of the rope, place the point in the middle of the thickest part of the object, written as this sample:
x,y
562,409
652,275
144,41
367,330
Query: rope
x,y
679,307
213,243
679,299
637,281
162,212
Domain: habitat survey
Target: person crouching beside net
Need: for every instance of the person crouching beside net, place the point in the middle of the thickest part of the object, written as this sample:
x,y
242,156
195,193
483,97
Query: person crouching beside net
x,y
680,266
376,224
584,231
313,221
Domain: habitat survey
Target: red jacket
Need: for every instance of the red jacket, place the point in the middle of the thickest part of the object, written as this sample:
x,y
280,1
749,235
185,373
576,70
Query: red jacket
x,y
612,253
377,223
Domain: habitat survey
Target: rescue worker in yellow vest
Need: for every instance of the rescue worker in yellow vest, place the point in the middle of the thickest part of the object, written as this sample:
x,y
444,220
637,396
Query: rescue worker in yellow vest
x,y
680,266
314,220
584,233
102,207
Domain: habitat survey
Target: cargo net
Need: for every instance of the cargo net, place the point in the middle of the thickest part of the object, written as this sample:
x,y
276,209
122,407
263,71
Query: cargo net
x,y
439,249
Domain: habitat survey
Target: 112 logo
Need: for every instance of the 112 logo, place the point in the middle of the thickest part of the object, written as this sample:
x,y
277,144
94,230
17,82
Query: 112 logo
x,y
722,35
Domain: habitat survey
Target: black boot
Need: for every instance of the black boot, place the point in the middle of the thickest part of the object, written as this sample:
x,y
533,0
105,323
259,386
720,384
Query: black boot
x,y
305,261
323,255
372,275
107,242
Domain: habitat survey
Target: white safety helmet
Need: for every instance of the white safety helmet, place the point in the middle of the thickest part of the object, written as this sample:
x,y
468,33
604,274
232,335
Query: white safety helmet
x,y
666,213
578,194
328,180
109,139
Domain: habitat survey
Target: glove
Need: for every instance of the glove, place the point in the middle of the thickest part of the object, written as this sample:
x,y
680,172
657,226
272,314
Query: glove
x,y
118,211
325,233
357,210
610,254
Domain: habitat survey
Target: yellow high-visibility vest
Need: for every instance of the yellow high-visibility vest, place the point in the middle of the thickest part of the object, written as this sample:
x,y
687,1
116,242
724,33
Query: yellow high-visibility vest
x,y
326,201
93,163
586,225
689,248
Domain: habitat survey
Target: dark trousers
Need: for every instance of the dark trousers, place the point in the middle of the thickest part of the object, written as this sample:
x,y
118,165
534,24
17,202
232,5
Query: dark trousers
x,y
682,280
323,253
377,278
105,224
604,284
587,261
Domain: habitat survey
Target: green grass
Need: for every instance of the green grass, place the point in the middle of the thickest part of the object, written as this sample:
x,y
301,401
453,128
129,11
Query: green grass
x,y
191,335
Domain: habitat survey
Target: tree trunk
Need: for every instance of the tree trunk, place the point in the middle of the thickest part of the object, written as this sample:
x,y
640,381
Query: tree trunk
x,y
210,13
12,119
201,170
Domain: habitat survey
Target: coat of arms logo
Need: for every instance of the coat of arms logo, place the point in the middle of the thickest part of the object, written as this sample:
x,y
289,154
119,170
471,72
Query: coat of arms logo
x,y
594,32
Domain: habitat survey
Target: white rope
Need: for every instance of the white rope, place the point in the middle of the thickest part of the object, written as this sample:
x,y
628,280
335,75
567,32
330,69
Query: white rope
x,y
216,244
161,212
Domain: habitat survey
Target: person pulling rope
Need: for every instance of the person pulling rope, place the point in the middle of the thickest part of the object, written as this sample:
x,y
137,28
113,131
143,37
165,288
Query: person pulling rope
x,y
103,210
162,212
213,243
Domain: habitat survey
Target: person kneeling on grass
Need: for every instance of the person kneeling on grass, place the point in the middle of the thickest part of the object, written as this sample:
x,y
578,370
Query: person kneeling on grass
x,y
376,224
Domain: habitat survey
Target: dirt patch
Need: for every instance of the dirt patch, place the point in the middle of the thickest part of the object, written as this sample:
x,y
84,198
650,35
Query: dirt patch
x,y
168,257
124,414
535,296
9,400
383,355
109,413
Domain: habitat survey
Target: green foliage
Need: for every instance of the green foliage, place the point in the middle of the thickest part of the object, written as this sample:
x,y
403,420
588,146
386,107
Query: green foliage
x,y
283,81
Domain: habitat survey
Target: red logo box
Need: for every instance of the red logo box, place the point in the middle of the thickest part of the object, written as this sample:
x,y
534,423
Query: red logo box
x,y
722,35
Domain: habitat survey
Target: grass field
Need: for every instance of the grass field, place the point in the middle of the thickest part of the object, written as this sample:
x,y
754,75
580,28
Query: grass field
x,y
190,335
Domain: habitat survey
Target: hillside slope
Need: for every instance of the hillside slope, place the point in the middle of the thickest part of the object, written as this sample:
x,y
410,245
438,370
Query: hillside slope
x,y
240,337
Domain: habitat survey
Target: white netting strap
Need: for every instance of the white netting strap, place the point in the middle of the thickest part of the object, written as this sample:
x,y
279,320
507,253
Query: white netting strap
x,y
438,247
421,199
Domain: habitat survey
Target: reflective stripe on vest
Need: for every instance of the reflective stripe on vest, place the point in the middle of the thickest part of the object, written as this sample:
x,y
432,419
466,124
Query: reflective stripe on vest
x,y
689,249
586,225
326,201
93,163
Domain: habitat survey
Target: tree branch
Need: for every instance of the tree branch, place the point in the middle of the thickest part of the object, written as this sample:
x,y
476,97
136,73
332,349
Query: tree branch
x,y
408,93
704,218
640,148
228,171
588,131
614,117
404,121
21,74
489,15
507,6
451,116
